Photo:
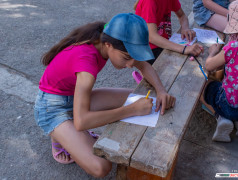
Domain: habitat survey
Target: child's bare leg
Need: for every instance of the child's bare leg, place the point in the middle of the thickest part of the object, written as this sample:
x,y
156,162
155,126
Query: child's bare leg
x,y
79,143
80,146
217,22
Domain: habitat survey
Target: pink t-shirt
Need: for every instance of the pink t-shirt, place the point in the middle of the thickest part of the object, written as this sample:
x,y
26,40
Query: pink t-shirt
x,y
158,12
60,75
230,81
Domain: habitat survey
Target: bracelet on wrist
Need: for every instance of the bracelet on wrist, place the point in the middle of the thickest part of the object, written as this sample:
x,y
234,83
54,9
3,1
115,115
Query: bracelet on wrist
x,y
184,49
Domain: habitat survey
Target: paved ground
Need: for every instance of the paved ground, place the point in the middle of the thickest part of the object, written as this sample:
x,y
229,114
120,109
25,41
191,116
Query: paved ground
x,y
27,29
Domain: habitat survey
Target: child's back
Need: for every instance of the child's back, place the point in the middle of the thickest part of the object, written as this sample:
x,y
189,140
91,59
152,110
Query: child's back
x,y
230,81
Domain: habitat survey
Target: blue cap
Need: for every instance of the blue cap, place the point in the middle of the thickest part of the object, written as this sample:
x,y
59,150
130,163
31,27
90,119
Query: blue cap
x,y
132,30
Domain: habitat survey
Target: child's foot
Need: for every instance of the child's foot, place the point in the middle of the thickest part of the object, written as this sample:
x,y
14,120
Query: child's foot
x,y
137,76
223,130
236,125
60,154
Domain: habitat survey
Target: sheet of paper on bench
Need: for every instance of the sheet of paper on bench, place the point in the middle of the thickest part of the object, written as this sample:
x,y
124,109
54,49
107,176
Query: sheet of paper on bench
x,y
176,38
207,36
147,120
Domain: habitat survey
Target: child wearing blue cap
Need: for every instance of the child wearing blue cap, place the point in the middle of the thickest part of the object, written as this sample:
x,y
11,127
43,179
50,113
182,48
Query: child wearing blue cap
x,y
66,87
157,14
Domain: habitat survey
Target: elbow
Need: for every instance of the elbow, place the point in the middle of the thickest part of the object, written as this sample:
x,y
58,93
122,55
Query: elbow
x,y
208,66
79,124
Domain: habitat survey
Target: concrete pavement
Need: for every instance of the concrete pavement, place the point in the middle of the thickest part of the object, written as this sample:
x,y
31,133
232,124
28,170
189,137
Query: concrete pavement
x,y
28,28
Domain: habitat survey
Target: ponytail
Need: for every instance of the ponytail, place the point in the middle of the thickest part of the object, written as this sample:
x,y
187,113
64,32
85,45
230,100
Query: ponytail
x,y
89,33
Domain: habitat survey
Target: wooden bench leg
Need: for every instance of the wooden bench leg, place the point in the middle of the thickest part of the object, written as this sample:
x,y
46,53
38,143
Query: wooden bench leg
x,y
129,173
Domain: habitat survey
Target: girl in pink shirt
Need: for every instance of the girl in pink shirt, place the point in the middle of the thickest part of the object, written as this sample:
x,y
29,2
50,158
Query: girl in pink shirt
x,y
223,97
66,87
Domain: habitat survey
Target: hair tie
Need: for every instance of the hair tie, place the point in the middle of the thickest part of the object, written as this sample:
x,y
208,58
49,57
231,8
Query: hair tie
x,y
105,25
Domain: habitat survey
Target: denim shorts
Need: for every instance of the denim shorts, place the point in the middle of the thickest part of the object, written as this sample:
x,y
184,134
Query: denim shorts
x,y
51,110
215,96
202,14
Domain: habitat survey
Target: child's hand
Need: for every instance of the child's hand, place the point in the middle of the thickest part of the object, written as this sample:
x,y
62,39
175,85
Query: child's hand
x,y
214,49
165,100
189,34
194,50
143,106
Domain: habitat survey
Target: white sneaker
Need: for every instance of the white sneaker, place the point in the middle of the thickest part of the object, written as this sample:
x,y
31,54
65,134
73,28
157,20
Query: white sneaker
x,y
223,130
236,125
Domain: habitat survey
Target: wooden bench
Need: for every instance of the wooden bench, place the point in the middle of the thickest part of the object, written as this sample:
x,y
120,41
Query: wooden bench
x,y
150,153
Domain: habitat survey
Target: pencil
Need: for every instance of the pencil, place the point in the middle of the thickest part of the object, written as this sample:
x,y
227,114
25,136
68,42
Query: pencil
x,y
147,94
201,68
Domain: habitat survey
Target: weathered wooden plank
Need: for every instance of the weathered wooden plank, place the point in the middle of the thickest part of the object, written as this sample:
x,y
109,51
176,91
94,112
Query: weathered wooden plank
x,y
156,151
118,142
126,136
158,148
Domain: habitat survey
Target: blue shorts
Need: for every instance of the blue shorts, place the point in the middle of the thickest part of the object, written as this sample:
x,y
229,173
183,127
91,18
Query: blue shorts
x,y
51,110
215,96
202,14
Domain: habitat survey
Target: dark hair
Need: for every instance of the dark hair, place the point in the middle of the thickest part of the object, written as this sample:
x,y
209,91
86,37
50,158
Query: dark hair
x,y
90,33
117,44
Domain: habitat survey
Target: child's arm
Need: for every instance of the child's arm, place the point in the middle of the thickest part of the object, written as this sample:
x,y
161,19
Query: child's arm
x,y
209,4
187,33
164,100
85,118
215,60
160,41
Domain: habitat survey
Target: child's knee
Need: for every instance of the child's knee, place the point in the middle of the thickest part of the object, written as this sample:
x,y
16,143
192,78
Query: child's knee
x,y
101,168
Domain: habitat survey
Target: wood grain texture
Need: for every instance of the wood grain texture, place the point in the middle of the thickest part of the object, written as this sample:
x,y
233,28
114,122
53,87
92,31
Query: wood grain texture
x,y
158,147
126,135
155,149
118,142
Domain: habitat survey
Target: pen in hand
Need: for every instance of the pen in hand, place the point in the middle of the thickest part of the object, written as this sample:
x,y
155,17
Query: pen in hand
x,y
147,94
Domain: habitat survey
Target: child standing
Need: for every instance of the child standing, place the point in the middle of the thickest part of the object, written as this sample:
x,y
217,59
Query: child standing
x,y
157,14
223,97
211,13
66,87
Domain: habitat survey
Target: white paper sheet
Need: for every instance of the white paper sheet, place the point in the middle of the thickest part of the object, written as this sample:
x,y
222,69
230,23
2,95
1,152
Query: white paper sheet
x,y
207,36
147,120
176,38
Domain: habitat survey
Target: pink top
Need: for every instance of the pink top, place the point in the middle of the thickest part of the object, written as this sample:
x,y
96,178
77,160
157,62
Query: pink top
x,y
60,75
158,12
230,81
